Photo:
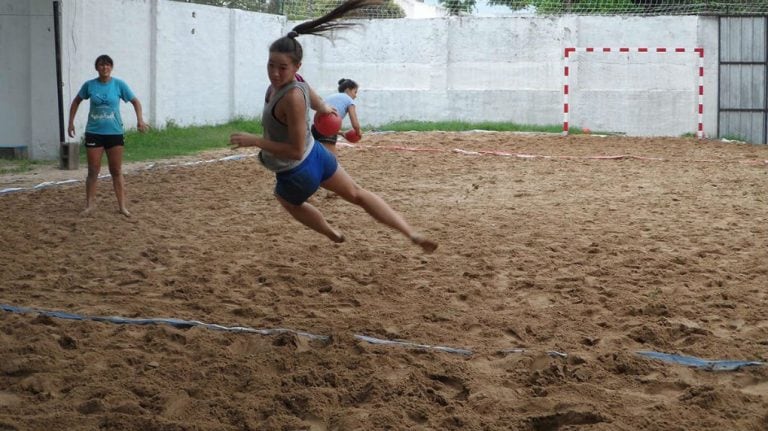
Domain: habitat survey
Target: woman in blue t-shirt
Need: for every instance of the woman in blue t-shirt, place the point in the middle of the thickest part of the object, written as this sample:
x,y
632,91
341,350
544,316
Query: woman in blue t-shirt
x,y
104,130
344,102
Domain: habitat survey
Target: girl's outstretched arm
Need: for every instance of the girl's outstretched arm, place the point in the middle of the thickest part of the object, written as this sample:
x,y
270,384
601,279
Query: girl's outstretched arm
x,y
318,104
291,110
353,119
140,124
72,112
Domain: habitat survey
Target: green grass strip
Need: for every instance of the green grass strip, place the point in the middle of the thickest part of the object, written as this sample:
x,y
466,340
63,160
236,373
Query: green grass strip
x,y
174,141
460,126
17,166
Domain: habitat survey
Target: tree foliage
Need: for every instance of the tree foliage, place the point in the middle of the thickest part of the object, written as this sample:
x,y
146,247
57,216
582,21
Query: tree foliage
x,y
459,7
643,7
266,6
304,9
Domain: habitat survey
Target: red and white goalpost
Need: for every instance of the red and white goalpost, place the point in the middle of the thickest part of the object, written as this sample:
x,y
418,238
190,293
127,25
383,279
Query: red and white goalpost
x,y
699,51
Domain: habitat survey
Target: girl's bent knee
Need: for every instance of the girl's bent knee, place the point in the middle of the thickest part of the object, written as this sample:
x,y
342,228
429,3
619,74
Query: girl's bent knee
x,y
355,195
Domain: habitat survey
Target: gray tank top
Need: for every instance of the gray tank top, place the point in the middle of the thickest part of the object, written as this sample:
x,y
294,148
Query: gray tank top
x,y
276,131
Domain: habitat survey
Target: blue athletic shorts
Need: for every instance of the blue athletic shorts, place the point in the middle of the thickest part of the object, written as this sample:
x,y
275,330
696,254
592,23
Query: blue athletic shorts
x,y
296,185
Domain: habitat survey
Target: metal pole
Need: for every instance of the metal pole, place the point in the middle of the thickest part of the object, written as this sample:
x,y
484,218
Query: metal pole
x,y
57,41
719,73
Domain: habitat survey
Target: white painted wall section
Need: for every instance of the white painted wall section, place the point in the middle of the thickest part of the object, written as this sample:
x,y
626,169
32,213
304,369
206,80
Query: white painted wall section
x,y
639,93
28,93
253,33
44,137
122,30
15,122
192,64
510,69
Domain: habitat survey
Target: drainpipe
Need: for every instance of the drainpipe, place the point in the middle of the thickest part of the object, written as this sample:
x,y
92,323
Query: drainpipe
x,y
57,41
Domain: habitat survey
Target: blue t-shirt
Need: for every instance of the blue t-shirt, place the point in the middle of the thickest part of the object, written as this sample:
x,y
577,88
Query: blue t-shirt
x,y
340,101
104,115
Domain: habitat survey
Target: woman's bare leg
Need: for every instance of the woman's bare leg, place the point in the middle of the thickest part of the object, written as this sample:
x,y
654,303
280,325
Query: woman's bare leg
x,y
343,185
331,149
93,155
312,218
115,159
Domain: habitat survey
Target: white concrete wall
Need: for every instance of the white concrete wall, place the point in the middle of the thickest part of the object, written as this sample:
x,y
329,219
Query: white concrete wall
x,y
253,33
193,64
187,63
642,93
121,29
28,97
14,73
510,69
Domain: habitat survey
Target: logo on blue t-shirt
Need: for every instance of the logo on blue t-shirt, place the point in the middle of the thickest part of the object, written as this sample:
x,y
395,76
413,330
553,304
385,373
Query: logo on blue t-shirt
x,y
104,115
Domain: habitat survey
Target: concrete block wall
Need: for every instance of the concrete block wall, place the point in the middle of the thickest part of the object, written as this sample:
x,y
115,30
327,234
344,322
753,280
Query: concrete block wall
x,y
191,64
28,93
510,69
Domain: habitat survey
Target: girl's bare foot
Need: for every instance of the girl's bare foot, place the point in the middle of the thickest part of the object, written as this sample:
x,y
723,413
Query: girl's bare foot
x,y
427,245
338,238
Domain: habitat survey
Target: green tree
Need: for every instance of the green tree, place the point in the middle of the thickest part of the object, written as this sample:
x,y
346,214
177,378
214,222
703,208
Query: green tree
x,y
266,6
569,6
648,7
308,9
458,7
304,9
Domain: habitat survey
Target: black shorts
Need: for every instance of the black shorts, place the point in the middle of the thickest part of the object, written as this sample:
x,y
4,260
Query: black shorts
x,y
322,138
93,140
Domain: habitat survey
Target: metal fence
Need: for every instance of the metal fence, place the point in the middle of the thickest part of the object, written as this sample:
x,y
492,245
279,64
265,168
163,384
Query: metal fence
x,y
304,9
307,9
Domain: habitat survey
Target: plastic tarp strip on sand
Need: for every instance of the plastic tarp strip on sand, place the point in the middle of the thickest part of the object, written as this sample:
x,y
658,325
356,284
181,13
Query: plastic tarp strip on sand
x,y
704,364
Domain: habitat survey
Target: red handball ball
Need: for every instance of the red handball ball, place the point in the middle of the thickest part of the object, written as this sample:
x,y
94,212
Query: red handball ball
x,y
327,124
351,136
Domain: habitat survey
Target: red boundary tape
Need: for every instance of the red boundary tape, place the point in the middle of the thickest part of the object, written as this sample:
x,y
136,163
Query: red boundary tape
x,y
542,156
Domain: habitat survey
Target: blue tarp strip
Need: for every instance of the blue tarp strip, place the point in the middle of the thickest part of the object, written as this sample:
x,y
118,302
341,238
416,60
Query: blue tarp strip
x,y
373,340
178,323
704,364
723,365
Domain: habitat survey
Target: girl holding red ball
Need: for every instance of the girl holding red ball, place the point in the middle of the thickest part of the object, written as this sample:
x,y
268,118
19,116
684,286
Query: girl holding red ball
x,y
301,164
344,102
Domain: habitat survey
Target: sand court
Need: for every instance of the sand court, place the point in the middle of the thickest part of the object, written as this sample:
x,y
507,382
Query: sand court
x,y
559,259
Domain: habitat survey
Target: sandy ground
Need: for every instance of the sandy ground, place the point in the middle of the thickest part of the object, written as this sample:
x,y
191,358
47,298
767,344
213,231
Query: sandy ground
x,y
595,258
45,174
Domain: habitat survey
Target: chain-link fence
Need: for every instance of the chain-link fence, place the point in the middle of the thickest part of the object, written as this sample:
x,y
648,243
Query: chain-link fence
x,y
305,9
639,7
308,9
